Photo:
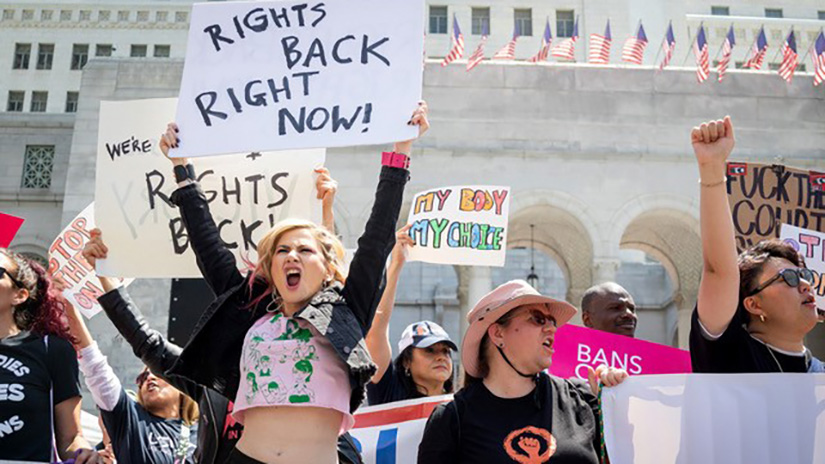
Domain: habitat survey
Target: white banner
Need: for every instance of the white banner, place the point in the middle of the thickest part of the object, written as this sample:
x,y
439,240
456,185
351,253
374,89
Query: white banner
x,y
460,225
66,263
247,193
716,418
390,433
292,74
811,244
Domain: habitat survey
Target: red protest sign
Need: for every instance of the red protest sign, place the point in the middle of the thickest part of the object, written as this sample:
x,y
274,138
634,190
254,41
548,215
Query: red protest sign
x,y
9,225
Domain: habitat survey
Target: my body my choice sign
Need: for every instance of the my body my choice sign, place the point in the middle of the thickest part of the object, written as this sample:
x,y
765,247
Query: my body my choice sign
x,y
291,74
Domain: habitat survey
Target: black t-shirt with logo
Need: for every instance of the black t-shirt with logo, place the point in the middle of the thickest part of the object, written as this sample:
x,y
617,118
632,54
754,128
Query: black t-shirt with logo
x,y
28,371
138,436
556,423
737,352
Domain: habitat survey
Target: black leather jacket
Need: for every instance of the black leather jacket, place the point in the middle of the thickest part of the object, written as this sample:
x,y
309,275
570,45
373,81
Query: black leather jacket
x,y
216,438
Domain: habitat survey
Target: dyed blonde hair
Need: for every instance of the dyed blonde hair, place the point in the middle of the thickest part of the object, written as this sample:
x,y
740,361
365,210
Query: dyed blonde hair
x,y
330,247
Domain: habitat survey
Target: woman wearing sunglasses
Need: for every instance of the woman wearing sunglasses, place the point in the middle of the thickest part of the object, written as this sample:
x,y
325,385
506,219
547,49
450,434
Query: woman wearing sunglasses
x,y
511,410
39,389
753,312
160,427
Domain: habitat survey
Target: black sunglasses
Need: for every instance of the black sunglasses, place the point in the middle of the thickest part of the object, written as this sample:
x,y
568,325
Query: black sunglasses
x,y
540,319
16,282
792,277
142,377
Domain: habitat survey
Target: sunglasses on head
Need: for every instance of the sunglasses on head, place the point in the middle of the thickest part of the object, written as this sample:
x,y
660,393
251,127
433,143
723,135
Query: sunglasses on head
x,y
792,277
16,282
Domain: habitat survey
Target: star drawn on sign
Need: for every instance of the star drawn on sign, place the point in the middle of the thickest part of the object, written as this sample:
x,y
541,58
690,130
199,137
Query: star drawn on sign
x,y
253,155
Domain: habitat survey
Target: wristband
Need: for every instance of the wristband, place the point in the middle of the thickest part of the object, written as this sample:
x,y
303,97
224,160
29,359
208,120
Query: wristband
x,y
395,160
183,173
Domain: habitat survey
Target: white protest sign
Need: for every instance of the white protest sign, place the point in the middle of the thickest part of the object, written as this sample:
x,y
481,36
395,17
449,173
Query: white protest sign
x,y
460,225
292,74
811,244
247,193
390,433
716,418
66,263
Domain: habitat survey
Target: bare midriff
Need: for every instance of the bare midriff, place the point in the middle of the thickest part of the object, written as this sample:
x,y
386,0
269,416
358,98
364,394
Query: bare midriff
x,y
288,434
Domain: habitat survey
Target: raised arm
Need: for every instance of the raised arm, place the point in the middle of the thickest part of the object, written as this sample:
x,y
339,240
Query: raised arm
x,y
363,286
719,289
378,338
216,262
326,187
147,343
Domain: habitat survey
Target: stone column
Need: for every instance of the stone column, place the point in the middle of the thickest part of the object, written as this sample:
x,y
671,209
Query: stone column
x,y
604,270
685,303
479,282
574,297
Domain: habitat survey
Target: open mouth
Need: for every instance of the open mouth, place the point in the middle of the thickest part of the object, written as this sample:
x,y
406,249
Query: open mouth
x,y
809,301
152,386
293,278
548,344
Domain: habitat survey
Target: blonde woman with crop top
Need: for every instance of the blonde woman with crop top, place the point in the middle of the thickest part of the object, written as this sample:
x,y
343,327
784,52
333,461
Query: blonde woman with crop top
x,y
287,340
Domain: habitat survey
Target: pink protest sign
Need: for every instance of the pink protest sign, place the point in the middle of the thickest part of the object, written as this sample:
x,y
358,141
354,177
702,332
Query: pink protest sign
x,y
577,347
9,225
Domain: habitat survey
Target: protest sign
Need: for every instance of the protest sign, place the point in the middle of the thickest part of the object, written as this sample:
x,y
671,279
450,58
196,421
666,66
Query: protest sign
x,y
811,244
715,418
575,348
390,433
9,225
763,197
247,194
460,225
66,263
291,74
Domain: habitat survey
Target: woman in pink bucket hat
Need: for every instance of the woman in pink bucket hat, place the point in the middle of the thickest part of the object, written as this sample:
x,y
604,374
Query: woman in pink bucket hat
x,y
511,409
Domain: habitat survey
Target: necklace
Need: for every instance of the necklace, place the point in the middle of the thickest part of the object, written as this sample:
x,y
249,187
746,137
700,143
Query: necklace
x,y
774,358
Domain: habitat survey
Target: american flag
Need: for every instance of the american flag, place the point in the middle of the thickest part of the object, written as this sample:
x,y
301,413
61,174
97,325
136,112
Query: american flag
x,y
566,49
457,51
789,58
819,59
700,49
758,51
727,49
508,52
634,47
545,45
668,45
478,55
600,46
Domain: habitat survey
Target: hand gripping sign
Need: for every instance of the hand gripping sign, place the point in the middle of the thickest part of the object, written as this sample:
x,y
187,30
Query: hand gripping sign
x,y
247,194
460,225
293,74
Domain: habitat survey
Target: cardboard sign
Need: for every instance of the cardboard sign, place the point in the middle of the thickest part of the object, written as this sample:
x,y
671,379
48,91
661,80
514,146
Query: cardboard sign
x,y
577,347
460,225
390,433
247,194
291,74
715,418
763,197
811,245
9,225
66,262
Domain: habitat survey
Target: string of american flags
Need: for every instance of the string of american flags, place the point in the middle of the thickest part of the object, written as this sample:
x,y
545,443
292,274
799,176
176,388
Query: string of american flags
x,y
634,49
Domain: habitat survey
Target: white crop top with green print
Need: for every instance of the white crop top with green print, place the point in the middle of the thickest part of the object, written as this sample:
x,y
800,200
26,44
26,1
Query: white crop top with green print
x,y
286,362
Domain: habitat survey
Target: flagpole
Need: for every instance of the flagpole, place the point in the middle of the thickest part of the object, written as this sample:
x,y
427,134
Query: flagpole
x,y
780,48
659,52
690,48
750,49
722,45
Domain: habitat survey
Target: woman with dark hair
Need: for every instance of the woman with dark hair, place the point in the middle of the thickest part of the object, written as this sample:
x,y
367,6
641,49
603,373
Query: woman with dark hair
x,y
40,394
513,411
287,340
754,311
424,365
158,427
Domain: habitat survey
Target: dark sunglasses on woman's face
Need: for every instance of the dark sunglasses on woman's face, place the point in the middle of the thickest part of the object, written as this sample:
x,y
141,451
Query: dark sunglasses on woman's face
x,y
16,282
792,277
540,319
142,377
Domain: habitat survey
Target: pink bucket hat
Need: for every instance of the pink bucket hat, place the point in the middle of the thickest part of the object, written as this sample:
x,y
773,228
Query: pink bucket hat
x,y
497,303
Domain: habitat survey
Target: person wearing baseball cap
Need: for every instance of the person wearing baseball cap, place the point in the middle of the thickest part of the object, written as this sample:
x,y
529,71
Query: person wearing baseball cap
x,y
424,365
511,409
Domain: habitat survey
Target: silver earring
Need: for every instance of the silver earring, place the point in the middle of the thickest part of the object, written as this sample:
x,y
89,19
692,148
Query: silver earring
x,y
407,371
277,301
